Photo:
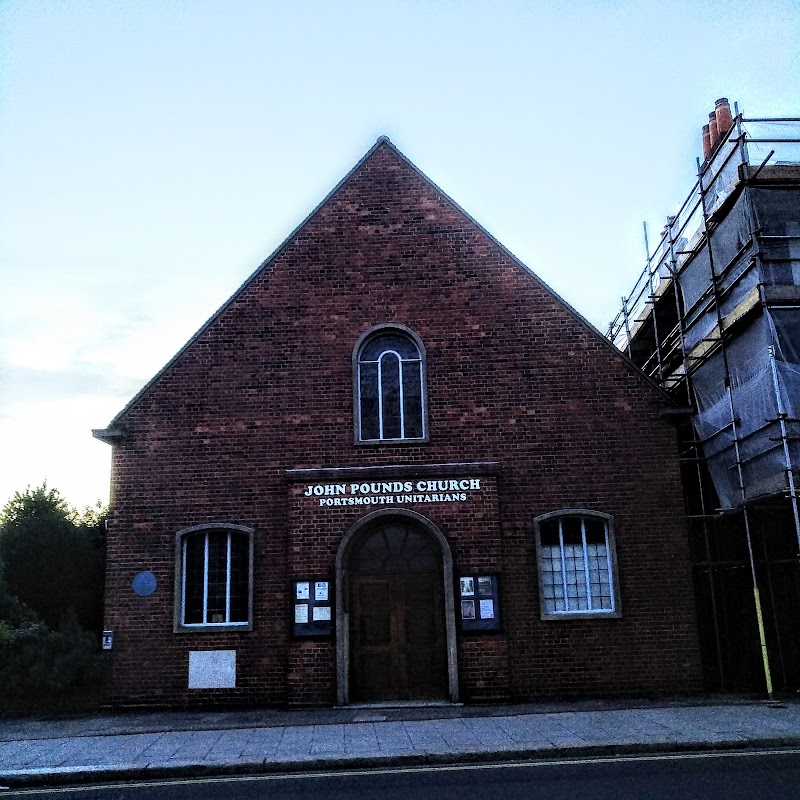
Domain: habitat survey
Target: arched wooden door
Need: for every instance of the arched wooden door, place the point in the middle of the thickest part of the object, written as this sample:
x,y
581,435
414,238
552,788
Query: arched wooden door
x,y
398,647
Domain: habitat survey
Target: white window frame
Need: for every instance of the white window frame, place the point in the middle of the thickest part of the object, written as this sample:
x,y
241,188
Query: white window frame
x,y
181,538
611,565
403,364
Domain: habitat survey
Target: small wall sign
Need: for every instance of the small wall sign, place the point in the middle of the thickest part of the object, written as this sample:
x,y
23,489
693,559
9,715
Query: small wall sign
x,y
108,640
144,584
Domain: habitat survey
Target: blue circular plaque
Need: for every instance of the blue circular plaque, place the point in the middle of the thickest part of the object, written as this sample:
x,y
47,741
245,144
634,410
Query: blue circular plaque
x,y
144,584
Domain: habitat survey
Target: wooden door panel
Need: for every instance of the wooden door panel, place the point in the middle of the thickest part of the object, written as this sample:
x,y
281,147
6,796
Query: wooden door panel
x,y
370,636
397,641
374,611
425,636
375,677
421,629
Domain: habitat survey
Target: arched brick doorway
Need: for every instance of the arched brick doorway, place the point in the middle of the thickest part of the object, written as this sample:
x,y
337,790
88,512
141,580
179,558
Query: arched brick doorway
x,y
395,623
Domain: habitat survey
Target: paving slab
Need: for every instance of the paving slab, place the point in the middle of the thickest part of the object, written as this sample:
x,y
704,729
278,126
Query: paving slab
x,y
263,743
295,743
361,739
489,733
524,729
455,733
231,743
327,739
424,736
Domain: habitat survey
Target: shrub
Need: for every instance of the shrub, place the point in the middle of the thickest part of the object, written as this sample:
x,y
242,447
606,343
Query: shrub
x,y
38,663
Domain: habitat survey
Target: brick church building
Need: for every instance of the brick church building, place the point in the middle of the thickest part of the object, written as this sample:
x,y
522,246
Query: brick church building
x,y
395,466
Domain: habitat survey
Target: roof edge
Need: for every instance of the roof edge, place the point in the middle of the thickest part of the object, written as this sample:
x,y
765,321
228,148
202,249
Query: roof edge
x,y
532,275
109,435
253,275
381,141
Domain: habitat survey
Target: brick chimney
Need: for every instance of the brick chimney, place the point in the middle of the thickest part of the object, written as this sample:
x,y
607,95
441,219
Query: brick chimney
x,y
713,130
706,142
722,113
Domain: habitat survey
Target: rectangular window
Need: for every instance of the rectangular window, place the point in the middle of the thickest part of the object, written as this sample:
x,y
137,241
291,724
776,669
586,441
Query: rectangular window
x,y
576,566
214,578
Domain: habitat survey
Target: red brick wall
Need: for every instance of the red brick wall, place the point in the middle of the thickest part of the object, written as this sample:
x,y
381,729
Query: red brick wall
x,y
513,376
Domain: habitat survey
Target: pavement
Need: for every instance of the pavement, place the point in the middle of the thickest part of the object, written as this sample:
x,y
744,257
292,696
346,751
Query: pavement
x,y
163,744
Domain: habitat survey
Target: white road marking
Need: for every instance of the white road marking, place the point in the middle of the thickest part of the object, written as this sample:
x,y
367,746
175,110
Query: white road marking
x,y
281,776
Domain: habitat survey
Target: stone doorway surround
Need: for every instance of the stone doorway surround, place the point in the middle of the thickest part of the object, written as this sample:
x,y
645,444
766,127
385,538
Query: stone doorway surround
x,y
342,599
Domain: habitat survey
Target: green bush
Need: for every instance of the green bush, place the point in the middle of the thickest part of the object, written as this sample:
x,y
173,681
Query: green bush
x,y
38,663
51,591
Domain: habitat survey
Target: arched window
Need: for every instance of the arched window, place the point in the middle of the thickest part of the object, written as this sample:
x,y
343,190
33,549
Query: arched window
x,y
390,386
214,577
577,564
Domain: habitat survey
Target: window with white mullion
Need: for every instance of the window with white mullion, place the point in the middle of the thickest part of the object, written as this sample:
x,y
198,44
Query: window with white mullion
x,y
215,579
205,580
576,565
390,376
586,576
609,573
380,399
400,398
564,583
183,582
390,395
413,399
228,580
389,383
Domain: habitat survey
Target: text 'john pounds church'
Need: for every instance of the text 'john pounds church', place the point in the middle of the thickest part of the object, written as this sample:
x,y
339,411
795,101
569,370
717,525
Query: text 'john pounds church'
x,y
396,466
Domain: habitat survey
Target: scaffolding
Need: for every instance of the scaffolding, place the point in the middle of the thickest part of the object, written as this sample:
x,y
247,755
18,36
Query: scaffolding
x,y
714,318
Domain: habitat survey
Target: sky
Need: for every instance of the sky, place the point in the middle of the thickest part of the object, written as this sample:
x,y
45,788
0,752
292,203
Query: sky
x,y
154,152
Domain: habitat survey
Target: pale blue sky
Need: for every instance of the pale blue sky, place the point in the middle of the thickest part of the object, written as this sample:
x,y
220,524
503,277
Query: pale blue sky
x,y
152,154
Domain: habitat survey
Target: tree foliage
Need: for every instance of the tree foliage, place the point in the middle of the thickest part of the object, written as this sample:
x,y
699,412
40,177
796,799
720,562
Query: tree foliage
x,y
52,557
37,664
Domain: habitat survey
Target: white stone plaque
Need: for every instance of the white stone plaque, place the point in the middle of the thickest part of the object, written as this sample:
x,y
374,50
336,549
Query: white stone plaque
x,y
212,669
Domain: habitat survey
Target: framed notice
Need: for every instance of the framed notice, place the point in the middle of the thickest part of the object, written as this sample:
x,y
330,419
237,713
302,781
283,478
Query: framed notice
x,y
312,607
479,596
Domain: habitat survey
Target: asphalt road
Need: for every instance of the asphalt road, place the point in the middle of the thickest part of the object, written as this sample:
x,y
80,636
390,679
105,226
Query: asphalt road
x,y
771,775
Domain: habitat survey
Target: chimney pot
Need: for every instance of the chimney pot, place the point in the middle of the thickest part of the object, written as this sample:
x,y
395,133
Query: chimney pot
x,y
713,130
722,112
706,142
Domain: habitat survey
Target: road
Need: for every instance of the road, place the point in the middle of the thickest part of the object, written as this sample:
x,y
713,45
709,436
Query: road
x,y
768,775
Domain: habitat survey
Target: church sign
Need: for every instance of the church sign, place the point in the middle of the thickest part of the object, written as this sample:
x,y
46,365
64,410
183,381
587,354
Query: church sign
x,y
436,490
